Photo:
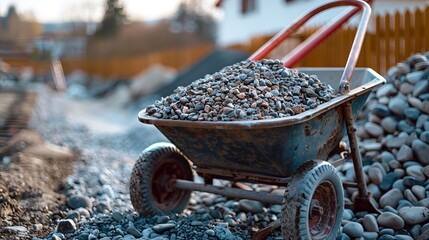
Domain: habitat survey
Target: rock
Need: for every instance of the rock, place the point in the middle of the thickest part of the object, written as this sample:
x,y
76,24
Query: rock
x,y
414,77
276,209
163,219
403,237
415,102
390,220
37,227
412,113
84,212
425,170
348,214
73,215
388,181
386,90
398,105
371,146
406,88
386,156
117,216
421,86
399,184
414,215
405,153
391,198
425,107
250,206
370,223
424,136
381,110
15,229
375,190
410,181
389,124
416,172
353,229
421,150
375,175
424,235
77,201
160,228
66,226
133,231
415,231
410,197
373,129
396,142
405,126
419,192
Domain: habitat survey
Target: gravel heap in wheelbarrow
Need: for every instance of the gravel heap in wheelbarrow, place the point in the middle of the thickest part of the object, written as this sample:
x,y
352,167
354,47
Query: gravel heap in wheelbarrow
x,y
395,148
248,90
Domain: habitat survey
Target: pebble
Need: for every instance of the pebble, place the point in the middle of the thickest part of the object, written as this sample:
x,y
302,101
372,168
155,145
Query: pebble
x,y
405,153
416,172
421,151
398,105
390,220
250,206
391,198
66,226
389,124
15,229
424,136
353,229
117,216
370,223
160,228
373,129
78,201
414,215
375,175
133,231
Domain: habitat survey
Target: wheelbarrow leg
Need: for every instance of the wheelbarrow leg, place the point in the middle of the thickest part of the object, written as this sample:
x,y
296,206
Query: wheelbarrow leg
x,y
364,200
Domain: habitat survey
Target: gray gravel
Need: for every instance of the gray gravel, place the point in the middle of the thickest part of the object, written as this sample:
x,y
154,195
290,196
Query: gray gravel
x,y
393,143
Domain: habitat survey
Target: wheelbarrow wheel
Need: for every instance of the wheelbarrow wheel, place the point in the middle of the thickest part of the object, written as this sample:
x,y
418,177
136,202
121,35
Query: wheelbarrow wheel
x,y
313,203
151,189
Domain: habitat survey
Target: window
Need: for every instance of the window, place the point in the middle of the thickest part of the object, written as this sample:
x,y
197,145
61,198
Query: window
x,y
248,6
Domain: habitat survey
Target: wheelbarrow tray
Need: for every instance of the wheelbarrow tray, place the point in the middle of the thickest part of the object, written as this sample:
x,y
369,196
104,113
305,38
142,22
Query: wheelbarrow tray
x,y
271,147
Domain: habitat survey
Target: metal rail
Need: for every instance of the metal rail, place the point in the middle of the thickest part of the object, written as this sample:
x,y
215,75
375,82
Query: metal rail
x,y
228,191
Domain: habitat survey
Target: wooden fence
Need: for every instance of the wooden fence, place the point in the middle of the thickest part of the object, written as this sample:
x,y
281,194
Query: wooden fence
x,y
117,67
395,37
131,66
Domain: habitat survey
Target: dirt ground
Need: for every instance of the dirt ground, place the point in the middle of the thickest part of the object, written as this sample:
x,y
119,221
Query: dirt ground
x,y
32,175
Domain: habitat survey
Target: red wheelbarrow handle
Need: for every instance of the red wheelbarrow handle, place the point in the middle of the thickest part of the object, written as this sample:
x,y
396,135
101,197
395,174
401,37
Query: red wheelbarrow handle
x,y
309,44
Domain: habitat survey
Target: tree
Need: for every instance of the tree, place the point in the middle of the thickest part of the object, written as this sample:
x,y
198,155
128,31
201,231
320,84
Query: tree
x,y
114,17
192,17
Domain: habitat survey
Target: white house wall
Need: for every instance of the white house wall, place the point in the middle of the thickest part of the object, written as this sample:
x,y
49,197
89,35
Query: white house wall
x,y
270,17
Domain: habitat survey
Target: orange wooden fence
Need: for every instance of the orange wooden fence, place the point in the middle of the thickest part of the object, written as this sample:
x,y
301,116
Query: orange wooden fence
x,y
127,67
117,67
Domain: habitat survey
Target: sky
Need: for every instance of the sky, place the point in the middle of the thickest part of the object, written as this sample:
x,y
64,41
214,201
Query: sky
x,y
88,10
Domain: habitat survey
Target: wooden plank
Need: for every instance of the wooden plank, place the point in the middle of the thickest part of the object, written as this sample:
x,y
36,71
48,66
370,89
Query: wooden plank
x,y
387,36
397,36
426,27
418,31
377,43
407,33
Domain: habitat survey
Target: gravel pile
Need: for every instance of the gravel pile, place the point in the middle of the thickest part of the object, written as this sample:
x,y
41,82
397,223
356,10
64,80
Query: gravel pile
x,y
395,149
248,90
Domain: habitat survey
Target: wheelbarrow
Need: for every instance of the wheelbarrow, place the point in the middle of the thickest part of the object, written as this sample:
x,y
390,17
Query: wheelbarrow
x,y
290,151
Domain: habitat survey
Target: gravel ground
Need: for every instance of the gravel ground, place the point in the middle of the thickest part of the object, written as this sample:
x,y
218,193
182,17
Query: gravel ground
x,y
99,206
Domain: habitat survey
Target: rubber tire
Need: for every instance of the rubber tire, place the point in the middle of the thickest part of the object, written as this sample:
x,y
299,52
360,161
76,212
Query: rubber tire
x,y
142,188
298,199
